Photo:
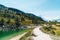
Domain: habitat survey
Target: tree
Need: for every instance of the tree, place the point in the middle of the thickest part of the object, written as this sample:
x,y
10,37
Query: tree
x,y
8,21
2,22
22,19
17,23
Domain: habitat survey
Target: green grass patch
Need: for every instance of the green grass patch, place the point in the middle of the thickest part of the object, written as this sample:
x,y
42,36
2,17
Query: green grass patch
x,y
9,34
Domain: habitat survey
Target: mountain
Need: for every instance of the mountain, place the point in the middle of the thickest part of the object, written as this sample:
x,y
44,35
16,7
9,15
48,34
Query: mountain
x,y
58,20
2,6
11,15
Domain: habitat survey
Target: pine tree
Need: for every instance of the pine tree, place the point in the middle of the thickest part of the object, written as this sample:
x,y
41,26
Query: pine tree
x,y
2,22
17,23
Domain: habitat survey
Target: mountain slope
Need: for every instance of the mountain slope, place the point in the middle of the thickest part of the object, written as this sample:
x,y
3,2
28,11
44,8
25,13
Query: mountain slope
x,y
11,15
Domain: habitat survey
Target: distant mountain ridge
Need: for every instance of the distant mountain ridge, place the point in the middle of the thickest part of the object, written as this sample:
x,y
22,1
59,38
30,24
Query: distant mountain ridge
x,y
58,20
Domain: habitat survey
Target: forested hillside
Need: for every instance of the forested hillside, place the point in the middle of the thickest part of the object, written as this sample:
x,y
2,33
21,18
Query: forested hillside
x,y
11,17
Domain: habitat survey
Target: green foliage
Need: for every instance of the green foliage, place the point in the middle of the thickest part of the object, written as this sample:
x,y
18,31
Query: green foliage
x,y
2,22
6,35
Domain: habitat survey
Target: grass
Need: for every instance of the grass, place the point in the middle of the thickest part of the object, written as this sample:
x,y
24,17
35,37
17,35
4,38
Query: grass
x,y
9,34
57,32
54,30
26,35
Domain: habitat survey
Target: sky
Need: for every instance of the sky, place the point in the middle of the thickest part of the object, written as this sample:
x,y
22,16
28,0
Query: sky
x,y
47,9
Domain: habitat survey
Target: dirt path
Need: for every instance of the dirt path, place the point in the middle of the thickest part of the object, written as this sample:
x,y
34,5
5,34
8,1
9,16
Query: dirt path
x,y
18,36
40,35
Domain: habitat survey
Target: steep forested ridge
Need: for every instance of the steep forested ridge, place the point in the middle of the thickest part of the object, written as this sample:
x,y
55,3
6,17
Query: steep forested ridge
x,y
11,17
13,14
